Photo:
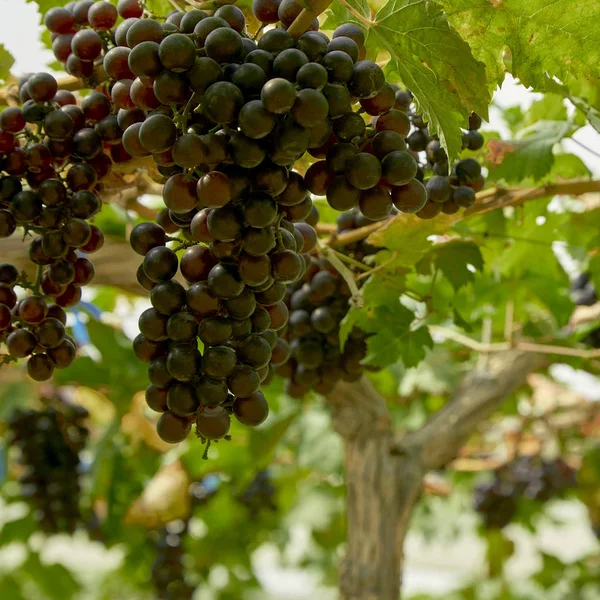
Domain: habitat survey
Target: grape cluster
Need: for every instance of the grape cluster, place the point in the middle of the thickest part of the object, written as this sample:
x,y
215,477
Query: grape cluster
x,y
583,293
386,165
51,161
225,125
81,32
448,190
308,353
168,571
259,494
233,305
49,442
529,477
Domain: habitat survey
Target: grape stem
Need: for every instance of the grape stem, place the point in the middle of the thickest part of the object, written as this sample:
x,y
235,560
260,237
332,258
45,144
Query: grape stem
x,y
183,117
351,261
258,31
38,280
344,271
206,448
182,245
305,18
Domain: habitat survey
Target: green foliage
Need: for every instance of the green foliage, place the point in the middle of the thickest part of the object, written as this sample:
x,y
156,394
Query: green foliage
x,y
6,62
532,153
544,38
117,372
447,84
458,260
159,7
45,5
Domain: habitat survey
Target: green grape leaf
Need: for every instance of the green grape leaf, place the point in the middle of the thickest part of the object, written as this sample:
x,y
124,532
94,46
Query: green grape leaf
x,y
414,348
554,38
160,8
347,324
54,580
45,5
264,440
582,95
594,270
18,530
11,586
552,295
530,155
499,549
6,62
454,258
408,236
568,166
435,64
430,59
394,339
337,14
117,371
548,108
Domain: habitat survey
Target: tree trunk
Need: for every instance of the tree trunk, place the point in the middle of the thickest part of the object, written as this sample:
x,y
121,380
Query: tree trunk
x,y
384,470
383,486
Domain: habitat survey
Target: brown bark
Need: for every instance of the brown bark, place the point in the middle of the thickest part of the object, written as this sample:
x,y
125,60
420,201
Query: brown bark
x,y
479,395
384,472
382,489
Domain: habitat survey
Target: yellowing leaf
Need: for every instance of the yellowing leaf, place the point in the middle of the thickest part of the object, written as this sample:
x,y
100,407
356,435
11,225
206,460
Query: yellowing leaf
x,y
164,499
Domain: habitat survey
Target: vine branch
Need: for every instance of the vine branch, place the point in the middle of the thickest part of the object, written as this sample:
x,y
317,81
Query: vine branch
x,y
479,395
486,201
488,348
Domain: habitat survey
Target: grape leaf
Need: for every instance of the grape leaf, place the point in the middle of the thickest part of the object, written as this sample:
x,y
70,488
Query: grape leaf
x,y
45,5
18,530
453,259
263,441
159,7
532,155
558,38
430,59
594,270
582,95
6,62
54,580
446,80
568,166
415,346
374,293
408,236
394,339
11,586
548,108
